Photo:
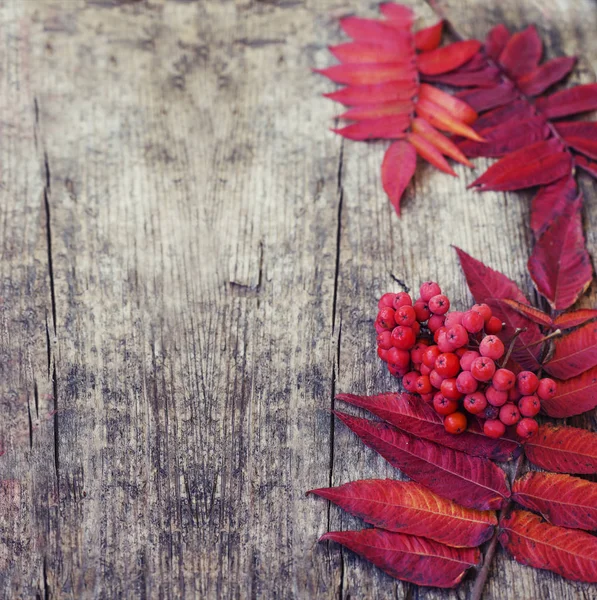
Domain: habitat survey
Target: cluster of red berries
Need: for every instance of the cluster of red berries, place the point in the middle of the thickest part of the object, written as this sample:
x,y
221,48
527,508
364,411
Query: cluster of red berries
x,y
449,358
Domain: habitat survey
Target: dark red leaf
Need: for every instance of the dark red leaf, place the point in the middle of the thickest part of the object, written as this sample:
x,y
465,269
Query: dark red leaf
x,y
485,284
561,499
379,93
408,507
496,41
571,319
409,558
425,149
574,396
412,415
537,164
581,98
586,165
581,135
387,128
374,31
531,541
486,77
397,169
563,449
488,98
399,15
471,481
447,58
544,76
530,312
370,73
522,53
550,202
560,265
429,38
574,353
517,111
362,52
457,108
377,111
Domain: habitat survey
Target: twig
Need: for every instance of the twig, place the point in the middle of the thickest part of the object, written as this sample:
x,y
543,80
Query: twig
x,y
544,339
517,332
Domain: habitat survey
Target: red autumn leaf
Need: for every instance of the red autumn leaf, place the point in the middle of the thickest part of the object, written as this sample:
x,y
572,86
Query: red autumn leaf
x,y
522,53
560,265
496,41
550,202
544,76
519,110
442,119
369,73
574,353
379,93
580,135
581,98
571,319
362,52
376,111
574,396
447,58
429,38
407,507
440,141
392,127
563,449
530,312
409,558
486,77
586,165
471,481
485,284
397,169
457,108
414,416
561,499
490,97
430,153
531,541
376,32
399,14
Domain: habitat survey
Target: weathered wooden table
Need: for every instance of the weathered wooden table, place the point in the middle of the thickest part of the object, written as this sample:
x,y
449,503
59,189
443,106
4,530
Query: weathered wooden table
x,y
190,264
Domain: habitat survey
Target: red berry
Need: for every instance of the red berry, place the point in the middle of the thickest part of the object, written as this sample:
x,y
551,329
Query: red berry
x,y
483,310
547,388
493,428
496,397
449,390
509,414
417,328
483,368
443,405
447,364
405,315
430,356
453,318
427,397
384,340
423,385
443,343
460,352
416,353
455,423
397,371
466,383
457,336
492,347
526,428
386,317
439,305
472,321
467,359
491,412
428,290
514,395
493,326
503,380
529,406
404,337
402,299
475,403
436,379
386,300
399,358
527,383
435,322
425,370
383,354
409,381
422,310
379,327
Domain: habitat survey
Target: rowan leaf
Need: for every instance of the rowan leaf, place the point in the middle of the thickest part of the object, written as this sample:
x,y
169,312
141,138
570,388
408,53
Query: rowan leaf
x,y
550,202
375,31
530,312
496,41
563,449
379,93
574,318
562,499
574,353
442,119
400,15
412,415
487,98
447,58
575,396
517,111
363,52
457,108
408,507
376,111
486,77
429,38
586,165
369,73
409,558
580,135
440,141
471,481
397,170
581,98
544,76
522,53
425,149
391,127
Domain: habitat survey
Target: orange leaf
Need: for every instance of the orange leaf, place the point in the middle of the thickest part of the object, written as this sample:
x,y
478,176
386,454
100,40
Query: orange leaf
x,y
441,142
430,153
457,108
442,119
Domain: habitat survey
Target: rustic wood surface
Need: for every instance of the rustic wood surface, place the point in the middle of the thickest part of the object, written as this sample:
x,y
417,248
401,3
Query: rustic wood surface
x,y
189,270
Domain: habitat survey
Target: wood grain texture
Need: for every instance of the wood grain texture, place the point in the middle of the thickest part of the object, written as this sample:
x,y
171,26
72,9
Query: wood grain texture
x,y
189,270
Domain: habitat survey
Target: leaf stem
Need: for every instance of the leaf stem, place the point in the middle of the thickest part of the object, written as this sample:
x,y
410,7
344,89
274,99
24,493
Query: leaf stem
x,y
553,334
517,332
